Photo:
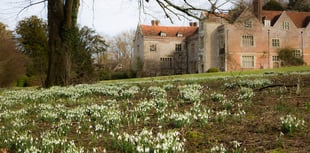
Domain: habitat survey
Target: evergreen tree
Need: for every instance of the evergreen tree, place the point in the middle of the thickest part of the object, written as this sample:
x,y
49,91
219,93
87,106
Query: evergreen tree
x,y
273,5
32,40
299,5
89,44
288,58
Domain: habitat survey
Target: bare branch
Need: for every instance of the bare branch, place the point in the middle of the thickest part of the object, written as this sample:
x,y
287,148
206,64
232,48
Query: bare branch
x,y
187,9
30,5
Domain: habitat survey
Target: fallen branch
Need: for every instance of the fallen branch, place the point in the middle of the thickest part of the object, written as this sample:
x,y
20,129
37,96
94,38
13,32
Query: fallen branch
x,y
277,85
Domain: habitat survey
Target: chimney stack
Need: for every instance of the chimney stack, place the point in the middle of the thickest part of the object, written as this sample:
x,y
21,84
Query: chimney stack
x,y
193,24
257,8
155,22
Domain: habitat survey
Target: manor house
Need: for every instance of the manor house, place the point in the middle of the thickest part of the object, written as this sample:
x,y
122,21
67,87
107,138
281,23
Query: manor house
x,y
252,41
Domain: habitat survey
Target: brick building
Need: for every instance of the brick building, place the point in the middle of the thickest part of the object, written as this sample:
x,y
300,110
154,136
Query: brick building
x,y
252,41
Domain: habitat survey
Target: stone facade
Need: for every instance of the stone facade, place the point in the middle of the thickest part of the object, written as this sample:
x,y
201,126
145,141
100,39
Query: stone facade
x,y
165,50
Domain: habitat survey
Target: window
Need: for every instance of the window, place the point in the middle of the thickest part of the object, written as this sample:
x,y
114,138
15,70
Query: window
x,y
267,23
286,25
193,50
247,40
275,58
153,47
200,58
162,34
275,42
201,25
275,61
297,53
221,42
178,47
201,42
179,34
247,24
166,62
247,61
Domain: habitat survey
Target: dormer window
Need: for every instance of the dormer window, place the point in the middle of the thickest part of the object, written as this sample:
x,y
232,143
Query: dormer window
x,y
179,34
267,23
248,24
162,34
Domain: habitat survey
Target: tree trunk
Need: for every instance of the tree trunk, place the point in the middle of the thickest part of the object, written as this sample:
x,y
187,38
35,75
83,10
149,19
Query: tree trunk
x,y
62,24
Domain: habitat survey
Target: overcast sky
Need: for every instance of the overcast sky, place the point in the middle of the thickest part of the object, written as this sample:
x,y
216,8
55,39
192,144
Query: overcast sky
x,y
110,17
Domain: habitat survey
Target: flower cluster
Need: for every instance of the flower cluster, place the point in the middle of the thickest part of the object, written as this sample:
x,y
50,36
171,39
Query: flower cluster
x,y
146,141
180,119
222,115
290,123
218,149
235,148
157,92
246,94
217,97
257,83
190,93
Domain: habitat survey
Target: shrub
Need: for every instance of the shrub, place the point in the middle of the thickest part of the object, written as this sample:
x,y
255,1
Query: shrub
x,y
22,82
211,70
288,57
132,74
113,75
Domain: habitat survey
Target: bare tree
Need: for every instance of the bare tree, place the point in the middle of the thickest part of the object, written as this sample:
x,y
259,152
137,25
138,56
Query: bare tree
x,y
12,62
121,46
63,31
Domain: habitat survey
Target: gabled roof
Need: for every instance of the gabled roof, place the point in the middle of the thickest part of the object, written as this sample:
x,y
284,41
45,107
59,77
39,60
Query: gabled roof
x,y
273,16
246,14
171,31
300,19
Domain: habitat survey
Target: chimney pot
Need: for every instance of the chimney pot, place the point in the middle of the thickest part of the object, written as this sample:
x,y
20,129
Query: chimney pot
x,y
155,22
193,24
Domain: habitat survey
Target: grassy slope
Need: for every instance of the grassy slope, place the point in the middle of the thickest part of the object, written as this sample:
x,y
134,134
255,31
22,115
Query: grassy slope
x,y
258,131
259,72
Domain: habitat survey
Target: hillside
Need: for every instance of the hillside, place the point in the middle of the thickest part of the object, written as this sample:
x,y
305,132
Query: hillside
x,y
256,113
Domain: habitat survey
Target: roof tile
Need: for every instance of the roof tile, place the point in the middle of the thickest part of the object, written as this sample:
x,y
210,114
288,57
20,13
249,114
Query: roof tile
x,y
300,19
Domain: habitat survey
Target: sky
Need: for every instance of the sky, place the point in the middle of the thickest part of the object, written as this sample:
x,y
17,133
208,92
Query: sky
x,y
107,17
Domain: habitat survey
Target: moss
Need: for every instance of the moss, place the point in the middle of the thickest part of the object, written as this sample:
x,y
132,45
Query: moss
x,y
211,70
277,150
22,82
194,136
